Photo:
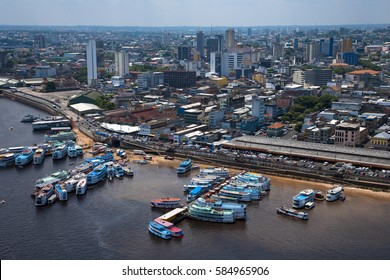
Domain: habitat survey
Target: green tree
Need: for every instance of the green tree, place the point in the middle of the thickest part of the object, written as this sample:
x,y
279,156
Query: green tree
x,y
81,75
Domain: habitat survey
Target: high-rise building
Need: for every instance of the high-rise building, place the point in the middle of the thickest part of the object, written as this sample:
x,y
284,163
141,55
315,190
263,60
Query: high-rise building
x,y
184,52
258,108
221,45
316,77
211,46
121,63
200,43
3,59
295,43
180,79
39,41
230,40
215,62
249,31
351,58
91,62
346,45
331,44
313,51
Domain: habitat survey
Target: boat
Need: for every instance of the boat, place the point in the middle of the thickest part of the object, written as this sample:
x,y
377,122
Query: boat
x,y
29,118
60,136
79,150
52,199
166,202
239,195
7,159
334,193
81,187
72,151
309,205
219,171
319,196
48,124
61,192
39,156
208,214
239,210
110,170
128,171
302,198
342,197
118,169
252,176
292,212
184,166
84,167
71,183
60,152
45,181
43,195
254,193
97,174
24,158
61,175
194,194
159,230
175,231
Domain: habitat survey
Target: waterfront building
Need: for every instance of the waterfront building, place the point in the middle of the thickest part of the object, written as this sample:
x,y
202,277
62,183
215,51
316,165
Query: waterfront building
x,y
91,62
381,141
275,130
350,135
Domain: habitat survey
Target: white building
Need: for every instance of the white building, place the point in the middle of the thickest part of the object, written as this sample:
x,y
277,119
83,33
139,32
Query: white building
x,y
121,63
91,61
44,71
258,108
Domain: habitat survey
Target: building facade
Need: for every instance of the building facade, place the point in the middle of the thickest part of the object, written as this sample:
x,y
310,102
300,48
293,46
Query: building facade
x,y
91,62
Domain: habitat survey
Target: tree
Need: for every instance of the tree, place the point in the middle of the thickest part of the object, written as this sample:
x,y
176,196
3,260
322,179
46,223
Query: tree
x,y
50,87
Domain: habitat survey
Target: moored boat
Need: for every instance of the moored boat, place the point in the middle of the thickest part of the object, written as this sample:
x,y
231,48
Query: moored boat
x,y
29,118
165,202
208,214
128,171
61,192
39,156
43,194
81,187
71,183
334,193
302,198
175,231
218,171
24,158
184,166
319,196
292,212
239,210
7,159
60,136
159,230
97,174
310,205
118,169
60,152
72,151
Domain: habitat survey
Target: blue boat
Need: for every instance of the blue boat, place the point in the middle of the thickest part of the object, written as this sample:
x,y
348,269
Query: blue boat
x,y
7,159
303,197
184,166
255,194
159,230
104,158
72,151
195,193
119,172
98,174
25,157
60,152
61,192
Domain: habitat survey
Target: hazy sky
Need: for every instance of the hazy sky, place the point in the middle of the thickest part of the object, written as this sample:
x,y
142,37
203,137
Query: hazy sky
x,y
193,12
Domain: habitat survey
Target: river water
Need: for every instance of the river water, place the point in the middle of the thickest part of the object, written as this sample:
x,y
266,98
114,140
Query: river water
x,y
110,221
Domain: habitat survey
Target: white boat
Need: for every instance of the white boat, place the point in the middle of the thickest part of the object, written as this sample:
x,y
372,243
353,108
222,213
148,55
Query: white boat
x,y
39,156
60,152
309,205
303,197
24,158
334,193
292,212
72,152
159,230
218,171
81,187
7,159
239,210
71,183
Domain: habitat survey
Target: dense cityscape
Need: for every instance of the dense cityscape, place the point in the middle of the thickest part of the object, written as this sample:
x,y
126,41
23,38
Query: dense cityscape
x,y
272,114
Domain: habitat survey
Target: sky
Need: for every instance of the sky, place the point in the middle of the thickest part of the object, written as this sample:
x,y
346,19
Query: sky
x,y
193,12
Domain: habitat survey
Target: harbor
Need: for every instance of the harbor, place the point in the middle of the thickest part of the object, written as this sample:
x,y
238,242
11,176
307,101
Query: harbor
x,y
110,221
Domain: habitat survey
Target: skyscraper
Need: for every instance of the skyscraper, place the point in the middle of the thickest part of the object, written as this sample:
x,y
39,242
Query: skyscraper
x,y
346,45
211,46
184,52
331,43
221,45
121,63
258,108
230,38
91,61
296,43
249,31
200,43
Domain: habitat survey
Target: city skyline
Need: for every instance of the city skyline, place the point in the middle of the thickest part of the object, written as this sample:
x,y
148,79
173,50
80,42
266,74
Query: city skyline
x,y
153,13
